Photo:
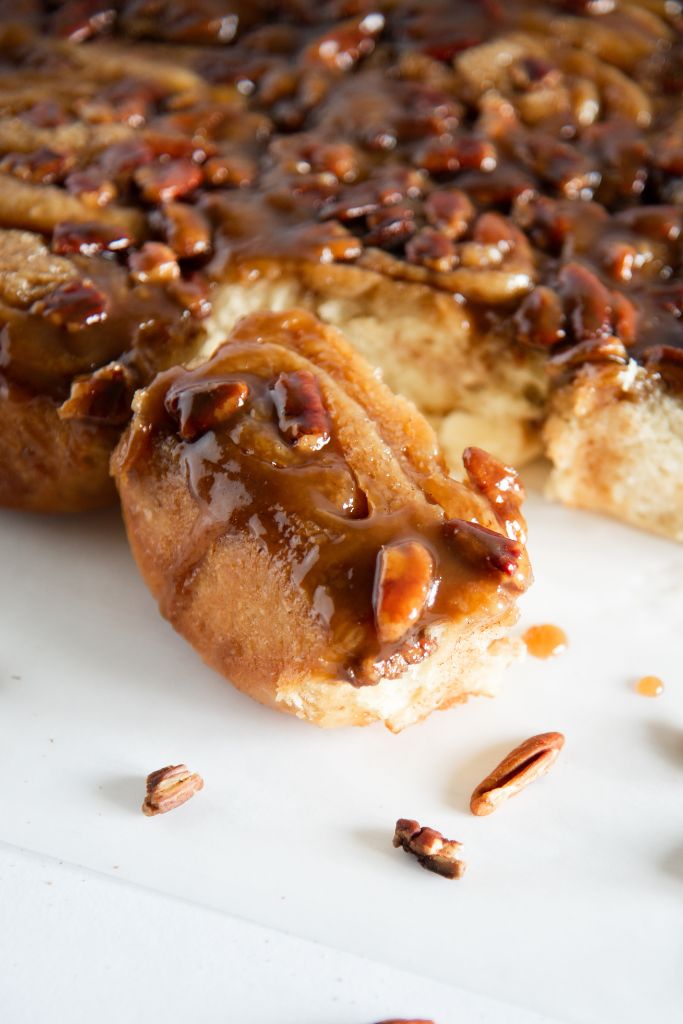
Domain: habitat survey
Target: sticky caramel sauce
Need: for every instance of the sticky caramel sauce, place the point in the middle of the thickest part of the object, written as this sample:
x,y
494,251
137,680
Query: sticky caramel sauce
x,y
545,641
322,516
650,686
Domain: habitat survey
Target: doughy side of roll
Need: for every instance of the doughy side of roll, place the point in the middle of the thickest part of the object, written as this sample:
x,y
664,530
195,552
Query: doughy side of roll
x,y
296,524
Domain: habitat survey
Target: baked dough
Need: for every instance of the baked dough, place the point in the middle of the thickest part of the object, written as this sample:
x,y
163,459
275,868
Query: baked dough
x,y
484,197
294,519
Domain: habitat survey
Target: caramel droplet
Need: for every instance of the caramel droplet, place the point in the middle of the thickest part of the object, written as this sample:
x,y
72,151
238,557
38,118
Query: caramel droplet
x,y
650,686
545,641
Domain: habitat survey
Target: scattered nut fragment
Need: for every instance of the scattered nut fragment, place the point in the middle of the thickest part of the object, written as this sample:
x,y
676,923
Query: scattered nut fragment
x,y
302,416
170,787
431,849
403,579
522,765
204,406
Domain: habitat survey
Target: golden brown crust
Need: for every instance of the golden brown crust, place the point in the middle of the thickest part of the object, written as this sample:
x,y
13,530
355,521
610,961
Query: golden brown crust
x,y
48,464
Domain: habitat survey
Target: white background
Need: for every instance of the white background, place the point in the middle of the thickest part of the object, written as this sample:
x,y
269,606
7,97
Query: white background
x,y
571,905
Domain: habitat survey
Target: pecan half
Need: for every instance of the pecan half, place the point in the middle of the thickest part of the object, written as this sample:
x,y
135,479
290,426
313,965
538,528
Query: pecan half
x,y
522,765
302,416
479,544
102,397
433,852
74,305
205,405
501,487
403,580
170,787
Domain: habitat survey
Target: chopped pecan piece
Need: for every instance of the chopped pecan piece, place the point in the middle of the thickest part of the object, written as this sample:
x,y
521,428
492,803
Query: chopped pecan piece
x,y
593,350
345,44
525,763
433,852
44,114
78,20
302,416
92,186
170,787
121,160
667,361
89,237
368,196
204,406
103,397
433,249
74,305
194,294
185,228
449,211
539,321
390,226
163,182
466,153
480,545
587,302
501,487
234,170
403,581
624,318
154,263
42,167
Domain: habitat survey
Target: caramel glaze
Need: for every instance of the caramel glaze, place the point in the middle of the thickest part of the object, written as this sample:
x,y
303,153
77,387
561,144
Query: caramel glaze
x,y
337,131
323,515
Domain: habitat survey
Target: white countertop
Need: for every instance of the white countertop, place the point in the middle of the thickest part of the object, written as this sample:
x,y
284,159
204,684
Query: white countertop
x,y
570,910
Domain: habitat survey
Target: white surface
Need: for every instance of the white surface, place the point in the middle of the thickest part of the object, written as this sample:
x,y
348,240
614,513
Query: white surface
x,y
571,905
151,958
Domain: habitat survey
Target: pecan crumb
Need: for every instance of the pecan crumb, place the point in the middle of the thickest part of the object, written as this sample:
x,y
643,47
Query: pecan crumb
x,y
431,849
522,765
170,787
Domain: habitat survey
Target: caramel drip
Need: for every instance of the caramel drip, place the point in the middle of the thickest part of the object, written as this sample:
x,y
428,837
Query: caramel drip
x,y
650,686
545,641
